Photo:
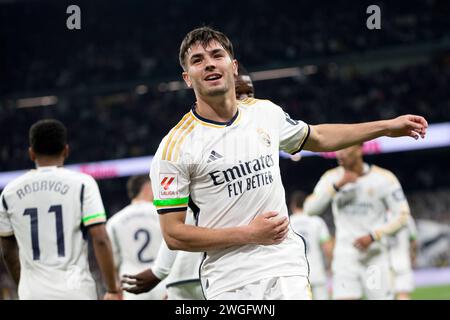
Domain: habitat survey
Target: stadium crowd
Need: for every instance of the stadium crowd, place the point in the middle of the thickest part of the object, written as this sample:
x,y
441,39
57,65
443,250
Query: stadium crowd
x,y
123,43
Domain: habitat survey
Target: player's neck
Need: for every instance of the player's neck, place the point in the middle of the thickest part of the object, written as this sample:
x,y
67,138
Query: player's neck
x,y
220,109
143,196
141,200
358,167
43,161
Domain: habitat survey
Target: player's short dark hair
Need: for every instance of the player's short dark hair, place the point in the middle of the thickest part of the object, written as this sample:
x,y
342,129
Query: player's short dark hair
x,y
298,198
48,137
135,184
204,36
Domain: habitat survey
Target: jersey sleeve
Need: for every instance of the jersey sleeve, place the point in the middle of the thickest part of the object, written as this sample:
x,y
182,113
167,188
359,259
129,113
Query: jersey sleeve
x,y
321,197
293,133
92,210
164,261
6,229
395,201
170,184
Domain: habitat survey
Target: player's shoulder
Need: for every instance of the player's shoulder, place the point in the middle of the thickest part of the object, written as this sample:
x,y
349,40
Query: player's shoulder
x,y
384,173
318,221
117,217
253,103
330,173
76,176
172,144
299,218
133,210
18,181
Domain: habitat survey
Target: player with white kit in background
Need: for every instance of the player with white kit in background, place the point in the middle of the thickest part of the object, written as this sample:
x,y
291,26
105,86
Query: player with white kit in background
x,y
45,216
402,251
361,196
319,244
136,235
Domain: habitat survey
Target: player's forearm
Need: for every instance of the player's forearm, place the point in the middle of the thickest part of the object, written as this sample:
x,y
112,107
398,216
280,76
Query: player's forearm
x,y
317,202
11,256
104,256
332,137
191,238
392,226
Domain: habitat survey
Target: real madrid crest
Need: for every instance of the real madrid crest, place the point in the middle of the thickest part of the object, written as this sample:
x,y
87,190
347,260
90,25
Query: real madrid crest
x,y
264,137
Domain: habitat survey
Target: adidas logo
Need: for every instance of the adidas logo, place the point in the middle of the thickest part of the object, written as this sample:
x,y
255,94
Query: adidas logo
x,y
214,156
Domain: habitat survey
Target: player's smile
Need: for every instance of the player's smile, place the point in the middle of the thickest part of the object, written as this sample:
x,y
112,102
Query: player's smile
x,y
213,78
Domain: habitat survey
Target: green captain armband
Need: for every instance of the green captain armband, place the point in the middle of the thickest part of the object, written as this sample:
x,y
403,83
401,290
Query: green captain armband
x,y
94,218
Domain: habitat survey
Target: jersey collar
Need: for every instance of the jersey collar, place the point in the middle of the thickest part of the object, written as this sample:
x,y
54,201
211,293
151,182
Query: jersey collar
x,y
47,168
215,124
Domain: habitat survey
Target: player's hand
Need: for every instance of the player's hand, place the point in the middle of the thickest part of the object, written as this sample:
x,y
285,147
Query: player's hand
x,y
408,125
362,243
139,283
268,228
348,177
113,296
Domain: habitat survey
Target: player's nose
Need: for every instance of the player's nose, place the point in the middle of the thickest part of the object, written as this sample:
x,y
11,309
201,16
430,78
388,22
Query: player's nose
x,y
209,64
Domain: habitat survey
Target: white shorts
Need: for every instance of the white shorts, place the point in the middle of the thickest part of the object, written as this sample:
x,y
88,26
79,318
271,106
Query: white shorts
x,y
404,282
185,291
320,291
353,279
278,288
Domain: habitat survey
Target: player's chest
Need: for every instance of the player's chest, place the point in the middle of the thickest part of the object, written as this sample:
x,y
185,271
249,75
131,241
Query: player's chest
x,y
366,190
235,145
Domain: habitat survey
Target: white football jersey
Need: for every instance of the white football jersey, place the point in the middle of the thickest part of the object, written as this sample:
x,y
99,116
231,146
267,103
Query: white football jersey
x,y
229,172
399,247
315,232
136,236
46,210
361,207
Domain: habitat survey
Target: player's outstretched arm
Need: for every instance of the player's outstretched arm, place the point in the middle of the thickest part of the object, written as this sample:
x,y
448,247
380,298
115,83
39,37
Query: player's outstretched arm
x,y
332,137
265,229
141,282
10,252
104,256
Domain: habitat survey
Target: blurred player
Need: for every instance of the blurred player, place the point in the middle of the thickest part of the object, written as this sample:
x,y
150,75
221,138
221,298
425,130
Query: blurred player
x,y
361,196
136,235
180,268
223,158
318,244
43,217
402,251
243,84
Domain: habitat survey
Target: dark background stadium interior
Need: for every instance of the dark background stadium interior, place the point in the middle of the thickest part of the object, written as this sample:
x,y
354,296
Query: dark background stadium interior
x,y
116,82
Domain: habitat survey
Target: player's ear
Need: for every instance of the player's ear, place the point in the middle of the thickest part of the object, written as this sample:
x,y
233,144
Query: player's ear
x,y
31,154
235,67
187,79
66,151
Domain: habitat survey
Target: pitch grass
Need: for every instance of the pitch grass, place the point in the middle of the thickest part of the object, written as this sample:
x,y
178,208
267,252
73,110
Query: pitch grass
x,y
431,293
